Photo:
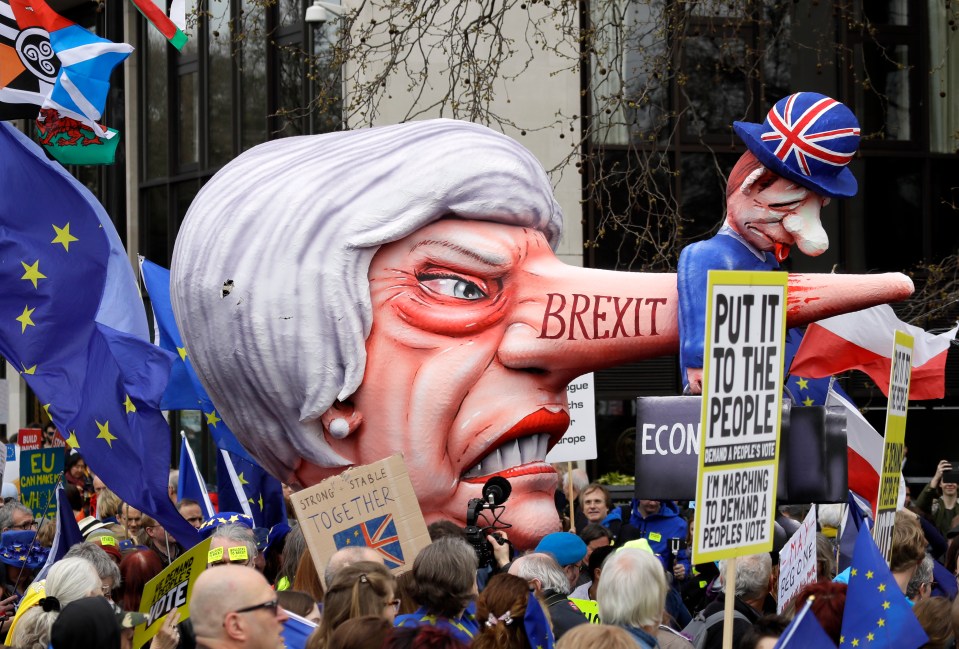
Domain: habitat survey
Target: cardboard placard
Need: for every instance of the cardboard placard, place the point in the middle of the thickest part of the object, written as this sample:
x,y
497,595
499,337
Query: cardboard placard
x,y
29,439
40,471
742,412
372,505
579,440
894,442
170,590
797,561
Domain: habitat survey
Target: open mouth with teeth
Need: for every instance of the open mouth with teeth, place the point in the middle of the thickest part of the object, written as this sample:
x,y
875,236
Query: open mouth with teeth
x,y
522,449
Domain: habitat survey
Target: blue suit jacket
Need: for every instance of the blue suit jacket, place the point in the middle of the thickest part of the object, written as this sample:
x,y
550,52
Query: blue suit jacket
x,y
725,251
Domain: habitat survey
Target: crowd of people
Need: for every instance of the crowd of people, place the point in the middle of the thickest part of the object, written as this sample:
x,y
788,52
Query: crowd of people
x,y
621,576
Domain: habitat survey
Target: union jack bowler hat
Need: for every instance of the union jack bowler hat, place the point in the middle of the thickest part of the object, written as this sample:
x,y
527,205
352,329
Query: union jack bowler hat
x,y
809,139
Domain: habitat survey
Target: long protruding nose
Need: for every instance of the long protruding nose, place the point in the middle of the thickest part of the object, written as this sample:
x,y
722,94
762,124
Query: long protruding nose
x,y
574,320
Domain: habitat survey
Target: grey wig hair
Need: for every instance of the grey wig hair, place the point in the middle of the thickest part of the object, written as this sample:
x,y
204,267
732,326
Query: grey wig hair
x,y
269,276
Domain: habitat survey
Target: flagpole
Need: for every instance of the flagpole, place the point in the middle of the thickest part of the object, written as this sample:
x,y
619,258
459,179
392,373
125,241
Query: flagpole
x,y
572,505
730,589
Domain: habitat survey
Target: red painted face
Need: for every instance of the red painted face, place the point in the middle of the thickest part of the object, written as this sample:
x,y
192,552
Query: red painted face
x,y
466,371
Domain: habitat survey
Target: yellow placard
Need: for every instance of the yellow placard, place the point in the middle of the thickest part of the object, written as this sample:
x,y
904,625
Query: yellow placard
x,y
170,590
589,608
742,411
894,443
214,555
107,540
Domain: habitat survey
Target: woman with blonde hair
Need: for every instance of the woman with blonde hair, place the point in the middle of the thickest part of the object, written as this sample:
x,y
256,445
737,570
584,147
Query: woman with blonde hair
x,y
68,580
362,588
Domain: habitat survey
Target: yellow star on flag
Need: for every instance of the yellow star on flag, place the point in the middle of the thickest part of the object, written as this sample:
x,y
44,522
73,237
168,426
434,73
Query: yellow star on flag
x,y
260,502
28,370
128,404
64,236
870,636
807,401
855,642
882,588
869,574
242,480
212,419
842,639
72,440
182,352
803,384
105,433
25,320
853,572
32,272
881,622
46,409
348,541
886,605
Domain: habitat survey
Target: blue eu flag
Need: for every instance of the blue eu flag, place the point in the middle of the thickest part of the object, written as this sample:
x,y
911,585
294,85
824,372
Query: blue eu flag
x,y
72,322
262,493
877,614
804,631
184,392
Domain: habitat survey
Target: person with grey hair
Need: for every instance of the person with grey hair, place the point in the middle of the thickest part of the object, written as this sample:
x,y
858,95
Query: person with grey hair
x,y
753,574
444,574
234,535
544,575
920,586
16,516
632,594
445,228
347,556
69,579
107,569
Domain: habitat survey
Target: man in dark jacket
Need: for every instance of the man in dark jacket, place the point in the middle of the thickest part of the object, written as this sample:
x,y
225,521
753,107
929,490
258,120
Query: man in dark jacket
x,y
752,586
546,577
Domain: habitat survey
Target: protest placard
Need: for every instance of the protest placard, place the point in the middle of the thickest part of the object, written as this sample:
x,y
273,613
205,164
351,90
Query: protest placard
x,y
894,443
741,413
797,561
11,470
40,471
579,441
372,505
29,439
170,590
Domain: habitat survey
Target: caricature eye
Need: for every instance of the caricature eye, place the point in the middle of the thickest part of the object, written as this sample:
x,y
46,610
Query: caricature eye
x,y
452,286
786,207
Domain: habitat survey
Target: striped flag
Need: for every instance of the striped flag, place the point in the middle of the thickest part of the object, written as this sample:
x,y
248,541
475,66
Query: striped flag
x,y
863,340
170,25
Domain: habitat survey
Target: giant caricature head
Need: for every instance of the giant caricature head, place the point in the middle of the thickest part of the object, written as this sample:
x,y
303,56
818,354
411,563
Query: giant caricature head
x,y
349,296
795,162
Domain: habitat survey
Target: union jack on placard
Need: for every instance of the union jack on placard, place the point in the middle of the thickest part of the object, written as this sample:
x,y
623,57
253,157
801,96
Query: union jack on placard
x,y
377,533
810,133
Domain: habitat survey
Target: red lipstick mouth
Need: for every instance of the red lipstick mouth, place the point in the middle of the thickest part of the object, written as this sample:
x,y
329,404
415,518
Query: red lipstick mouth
x,y
522,449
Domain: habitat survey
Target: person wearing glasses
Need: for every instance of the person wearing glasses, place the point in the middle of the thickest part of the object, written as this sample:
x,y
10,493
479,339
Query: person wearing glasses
x,y
16,517
233,607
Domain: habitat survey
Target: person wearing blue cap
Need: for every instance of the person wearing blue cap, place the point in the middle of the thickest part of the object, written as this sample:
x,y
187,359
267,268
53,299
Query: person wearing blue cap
x,y
795,163
568,550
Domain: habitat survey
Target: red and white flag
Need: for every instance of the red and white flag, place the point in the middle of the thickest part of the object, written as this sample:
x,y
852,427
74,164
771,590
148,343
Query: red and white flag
x,y
863,452
863,340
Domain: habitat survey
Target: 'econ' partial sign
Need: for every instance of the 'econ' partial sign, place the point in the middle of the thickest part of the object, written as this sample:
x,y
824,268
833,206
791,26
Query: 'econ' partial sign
x,y
742,408
894,443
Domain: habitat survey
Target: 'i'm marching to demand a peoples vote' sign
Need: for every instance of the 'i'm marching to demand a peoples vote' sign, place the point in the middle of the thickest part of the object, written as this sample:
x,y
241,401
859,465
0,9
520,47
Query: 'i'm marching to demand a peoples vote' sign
x,y
742,409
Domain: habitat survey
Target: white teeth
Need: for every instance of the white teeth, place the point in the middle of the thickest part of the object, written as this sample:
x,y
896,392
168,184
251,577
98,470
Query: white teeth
x,y
554,409
510,454
514,453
